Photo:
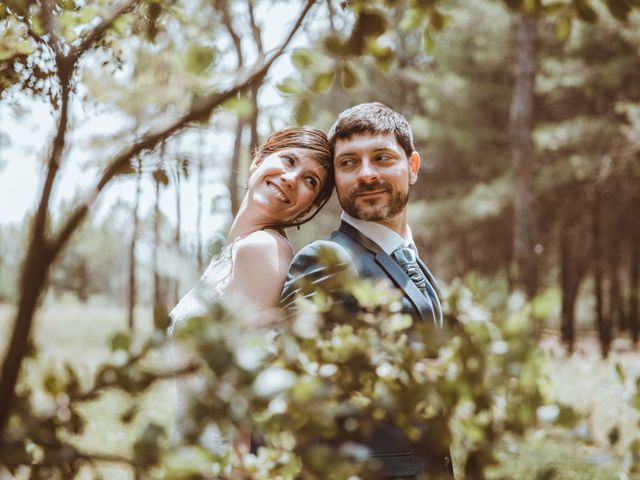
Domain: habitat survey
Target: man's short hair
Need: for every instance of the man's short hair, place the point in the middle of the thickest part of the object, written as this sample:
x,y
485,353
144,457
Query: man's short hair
x,y
374,118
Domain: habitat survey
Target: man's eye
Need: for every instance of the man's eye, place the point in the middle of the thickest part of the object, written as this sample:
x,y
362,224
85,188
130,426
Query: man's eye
x,y
347,162
383,158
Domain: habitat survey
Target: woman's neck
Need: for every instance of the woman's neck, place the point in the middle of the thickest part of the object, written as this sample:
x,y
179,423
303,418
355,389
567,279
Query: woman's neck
x,y
247,221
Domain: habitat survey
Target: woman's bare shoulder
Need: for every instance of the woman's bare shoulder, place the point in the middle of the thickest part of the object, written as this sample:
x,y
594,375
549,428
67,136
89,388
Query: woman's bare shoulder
x,y
265,242
264,251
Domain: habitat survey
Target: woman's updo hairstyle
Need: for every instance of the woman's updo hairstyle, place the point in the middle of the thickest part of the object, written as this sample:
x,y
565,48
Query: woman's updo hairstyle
x,y
315,143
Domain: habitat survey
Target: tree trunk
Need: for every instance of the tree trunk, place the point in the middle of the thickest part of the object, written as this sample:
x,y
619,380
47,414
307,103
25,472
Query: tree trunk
x,y
602,323
253,122
200,182
132,247
634,286
178,185
34,277
467,254
616,306
235,169
157,288
567,326
521,119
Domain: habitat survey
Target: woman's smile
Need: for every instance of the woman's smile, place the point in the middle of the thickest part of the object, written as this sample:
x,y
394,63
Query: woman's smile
x,y
279,194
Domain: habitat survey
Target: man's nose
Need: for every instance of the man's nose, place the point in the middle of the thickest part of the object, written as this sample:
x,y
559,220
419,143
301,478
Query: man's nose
x,y
367,171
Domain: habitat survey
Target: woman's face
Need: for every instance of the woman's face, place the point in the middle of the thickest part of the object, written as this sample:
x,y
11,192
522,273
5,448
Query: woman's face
x,y
284,185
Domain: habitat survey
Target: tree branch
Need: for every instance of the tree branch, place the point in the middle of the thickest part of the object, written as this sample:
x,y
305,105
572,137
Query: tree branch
x,y
88,40
255,30
96,389
50,27
235,38
41,256
150,140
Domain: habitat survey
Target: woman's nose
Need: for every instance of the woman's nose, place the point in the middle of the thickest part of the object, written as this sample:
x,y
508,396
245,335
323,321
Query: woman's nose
x,y
289,178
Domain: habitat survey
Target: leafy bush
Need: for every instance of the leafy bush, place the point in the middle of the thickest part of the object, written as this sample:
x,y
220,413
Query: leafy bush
x,y
345,361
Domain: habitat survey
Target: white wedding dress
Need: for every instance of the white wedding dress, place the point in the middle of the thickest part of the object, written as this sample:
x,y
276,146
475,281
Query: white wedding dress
x,y
196,303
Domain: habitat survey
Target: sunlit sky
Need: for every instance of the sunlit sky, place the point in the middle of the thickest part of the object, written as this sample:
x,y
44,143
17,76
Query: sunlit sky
x,y
29,124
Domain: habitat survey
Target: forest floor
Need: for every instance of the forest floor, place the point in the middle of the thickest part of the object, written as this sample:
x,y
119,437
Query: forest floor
x,y
76,333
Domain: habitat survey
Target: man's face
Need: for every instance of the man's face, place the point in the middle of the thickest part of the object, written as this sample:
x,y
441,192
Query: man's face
x,y
373,176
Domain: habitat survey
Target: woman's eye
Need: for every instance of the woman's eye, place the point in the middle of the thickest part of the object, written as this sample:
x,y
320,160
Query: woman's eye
x,y
291,159
311,181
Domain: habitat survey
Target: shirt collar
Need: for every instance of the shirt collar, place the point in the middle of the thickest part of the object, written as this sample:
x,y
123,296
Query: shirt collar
x,y
387,239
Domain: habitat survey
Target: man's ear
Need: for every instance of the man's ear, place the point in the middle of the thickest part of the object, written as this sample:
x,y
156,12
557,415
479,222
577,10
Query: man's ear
x,y
414,166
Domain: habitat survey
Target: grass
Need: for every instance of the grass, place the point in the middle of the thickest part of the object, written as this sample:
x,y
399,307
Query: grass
x,y
78,334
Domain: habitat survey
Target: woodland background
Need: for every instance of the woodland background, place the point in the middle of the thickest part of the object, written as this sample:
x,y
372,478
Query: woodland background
x,y
526,114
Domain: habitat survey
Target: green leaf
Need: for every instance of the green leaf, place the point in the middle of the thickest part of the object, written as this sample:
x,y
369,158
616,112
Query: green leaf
x,y
18,48
289,86
348,77
303,59
121,341
198,58
53,384
86,14
380,52
323,81
567,417
242,106
303,112
146,449
428,44
553,7
160,176
129,414
335,45
413,18
532,6
620,9
122,25
585,11
620,372
436,20
563,28
371,23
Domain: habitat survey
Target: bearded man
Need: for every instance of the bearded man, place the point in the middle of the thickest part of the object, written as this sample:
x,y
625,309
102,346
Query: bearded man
x,y
375,165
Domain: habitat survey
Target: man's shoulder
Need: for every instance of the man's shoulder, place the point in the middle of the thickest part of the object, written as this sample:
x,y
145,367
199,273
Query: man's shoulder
x,y
322,248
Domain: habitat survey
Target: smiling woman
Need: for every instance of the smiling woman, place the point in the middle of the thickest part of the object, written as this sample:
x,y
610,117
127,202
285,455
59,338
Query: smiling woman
x,y
291,178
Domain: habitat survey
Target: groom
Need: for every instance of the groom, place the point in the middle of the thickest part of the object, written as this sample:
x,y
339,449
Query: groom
x,y
375,165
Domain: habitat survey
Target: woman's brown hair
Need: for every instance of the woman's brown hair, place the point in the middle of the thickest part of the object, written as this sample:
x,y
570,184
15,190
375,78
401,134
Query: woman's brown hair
x,y
314,141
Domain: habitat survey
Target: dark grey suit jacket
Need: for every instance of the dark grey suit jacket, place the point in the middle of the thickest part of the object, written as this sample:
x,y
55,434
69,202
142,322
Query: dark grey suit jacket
x,y
356,252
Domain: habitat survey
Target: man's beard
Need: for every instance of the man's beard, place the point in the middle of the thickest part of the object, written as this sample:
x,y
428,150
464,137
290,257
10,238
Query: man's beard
x,y
389,209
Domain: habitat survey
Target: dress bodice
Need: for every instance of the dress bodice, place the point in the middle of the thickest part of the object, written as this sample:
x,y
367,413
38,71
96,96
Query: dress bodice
x,y
209,289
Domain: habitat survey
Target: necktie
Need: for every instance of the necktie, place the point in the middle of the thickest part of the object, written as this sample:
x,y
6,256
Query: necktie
x,y
406,258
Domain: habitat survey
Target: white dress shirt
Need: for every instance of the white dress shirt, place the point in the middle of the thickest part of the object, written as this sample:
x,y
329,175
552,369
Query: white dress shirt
x,y
387,239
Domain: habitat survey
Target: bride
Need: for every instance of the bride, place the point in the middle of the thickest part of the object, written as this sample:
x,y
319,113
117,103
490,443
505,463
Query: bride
x,y
290,179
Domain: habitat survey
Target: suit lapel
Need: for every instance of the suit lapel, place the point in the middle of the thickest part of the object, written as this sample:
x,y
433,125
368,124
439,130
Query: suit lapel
x,y
434,292
395,272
